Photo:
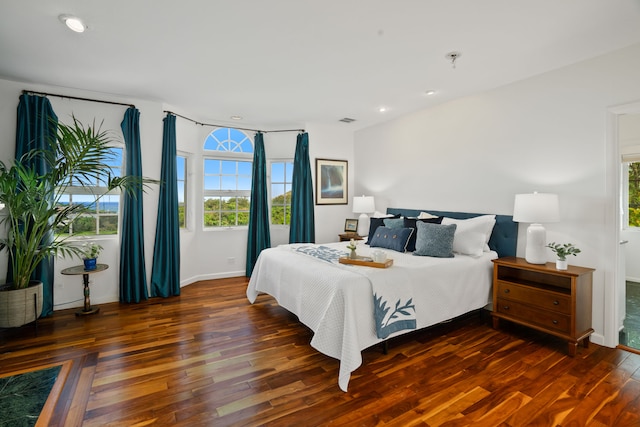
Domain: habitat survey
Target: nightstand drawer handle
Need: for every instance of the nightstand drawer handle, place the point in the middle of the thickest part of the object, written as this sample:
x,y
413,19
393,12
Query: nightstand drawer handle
x,y
506,307
555,322
506,291
556,302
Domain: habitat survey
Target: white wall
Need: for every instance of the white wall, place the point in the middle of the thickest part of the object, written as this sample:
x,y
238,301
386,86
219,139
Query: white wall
x,y
547,133
204,254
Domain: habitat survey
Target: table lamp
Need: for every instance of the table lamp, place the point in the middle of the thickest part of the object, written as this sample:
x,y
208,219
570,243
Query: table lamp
x,y
536,208
363,205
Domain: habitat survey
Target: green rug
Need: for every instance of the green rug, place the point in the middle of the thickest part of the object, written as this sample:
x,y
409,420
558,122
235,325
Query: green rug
x,y
23,396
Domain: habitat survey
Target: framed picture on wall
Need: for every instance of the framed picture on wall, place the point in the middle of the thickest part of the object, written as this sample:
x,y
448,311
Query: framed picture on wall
x,y
351,225
331,182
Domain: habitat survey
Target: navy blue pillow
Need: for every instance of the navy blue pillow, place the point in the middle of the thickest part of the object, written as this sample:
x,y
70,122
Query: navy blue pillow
x,y
411,223
391,238
435,240
374,223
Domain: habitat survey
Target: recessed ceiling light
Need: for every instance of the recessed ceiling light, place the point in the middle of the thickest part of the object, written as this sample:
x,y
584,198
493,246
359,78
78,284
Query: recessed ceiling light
x,y
236,117
430,92
382,109
73,22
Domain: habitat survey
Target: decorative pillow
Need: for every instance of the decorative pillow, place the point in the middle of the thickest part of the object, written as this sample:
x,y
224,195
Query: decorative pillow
x,y
426,215
374,223
391,238
435,240
411,223
394,222
482,224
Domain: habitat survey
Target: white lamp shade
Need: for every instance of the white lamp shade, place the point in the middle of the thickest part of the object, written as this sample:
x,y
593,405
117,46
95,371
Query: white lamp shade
x,y
536,208
364,204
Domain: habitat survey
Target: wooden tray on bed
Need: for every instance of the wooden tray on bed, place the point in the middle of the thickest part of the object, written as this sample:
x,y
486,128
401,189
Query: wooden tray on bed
x,y
366,261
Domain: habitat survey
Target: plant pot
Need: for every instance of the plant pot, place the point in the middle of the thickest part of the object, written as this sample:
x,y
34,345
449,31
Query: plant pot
x,y
17,306
90,264
561,264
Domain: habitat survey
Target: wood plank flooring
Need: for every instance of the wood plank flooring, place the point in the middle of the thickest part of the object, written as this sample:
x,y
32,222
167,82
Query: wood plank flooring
x,y
209,358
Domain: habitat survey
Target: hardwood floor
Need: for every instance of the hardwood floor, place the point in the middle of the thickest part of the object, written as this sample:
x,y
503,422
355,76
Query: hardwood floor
x,y
209,357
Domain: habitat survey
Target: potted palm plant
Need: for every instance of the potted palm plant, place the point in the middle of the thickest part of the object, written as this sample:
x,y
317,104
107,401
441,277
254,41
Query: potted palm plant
x,y
33,210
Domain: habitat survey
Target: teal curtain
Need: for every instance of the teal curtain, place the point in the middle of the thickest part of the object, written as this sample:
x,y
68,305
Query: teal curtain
x,y
259,237
37,125
165,272
302,227
133,276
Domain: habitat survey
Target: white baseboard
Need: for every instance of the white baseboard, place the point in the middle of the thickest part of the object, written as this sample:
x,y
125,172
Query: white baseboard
x,y
200,277
597,339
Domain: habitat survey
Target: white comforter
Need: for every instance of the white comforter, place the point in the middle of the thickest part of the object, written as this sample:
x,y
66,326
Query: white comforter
x,y
335,301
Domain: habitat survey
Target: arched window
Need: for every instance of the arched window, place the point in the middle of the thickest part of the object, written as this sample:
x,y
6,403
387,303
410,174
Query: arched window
x,y
228,155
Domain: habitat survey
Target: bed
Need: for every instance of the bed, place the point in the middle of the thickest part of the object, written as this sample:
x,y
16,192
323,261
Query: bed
x,y
343,304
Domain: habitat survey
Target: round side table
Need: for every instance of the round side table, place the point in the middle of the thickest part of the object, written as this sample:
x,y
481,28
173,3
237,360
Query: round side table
x,y
76,271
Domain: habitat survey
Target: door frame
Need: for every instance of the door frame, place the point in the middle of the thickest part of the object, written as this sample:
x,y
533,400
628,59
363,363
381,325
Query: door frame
x,y
613,273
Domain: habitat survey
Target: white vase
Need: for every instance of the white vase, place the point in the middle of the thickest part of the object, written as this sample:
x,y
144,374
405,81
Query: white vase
x,y
561,264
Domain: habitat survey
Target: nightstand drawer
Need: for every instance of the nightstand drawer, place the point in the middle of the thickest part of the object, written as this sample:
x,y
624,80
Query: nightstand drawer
x,y
549,320
535,296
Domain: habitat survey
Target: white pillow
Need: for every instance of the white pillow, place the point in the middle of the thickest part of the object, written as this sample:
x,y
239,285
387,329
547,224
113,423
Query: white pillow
x,y
482,224
426,215
469,243
377,214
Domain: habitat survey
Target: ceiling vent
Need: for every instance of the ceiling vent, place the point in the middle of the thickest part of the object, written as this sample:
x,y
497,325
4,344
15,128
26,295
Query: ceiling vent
x,y
347,120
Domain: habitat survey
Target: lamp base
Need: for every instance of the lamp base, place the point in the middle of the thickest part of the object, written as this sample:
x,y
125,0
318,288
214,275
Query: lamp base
x,y
363,225
535,252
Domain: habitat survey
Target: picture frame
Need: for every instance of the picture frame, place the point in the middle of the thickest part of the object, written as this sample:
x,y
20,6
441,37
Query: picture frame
x,y
351,225
331,182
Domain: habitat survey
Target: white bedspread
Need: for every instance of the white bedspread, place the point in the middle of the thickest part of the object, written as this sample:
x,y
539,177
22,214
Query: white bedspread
x,y
335,301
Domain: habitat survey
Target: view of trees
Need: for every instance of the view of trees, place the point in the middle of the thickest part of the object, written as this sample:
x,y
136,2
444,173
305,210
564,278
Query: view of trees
x,y
86,225
226,212
634,194
281,209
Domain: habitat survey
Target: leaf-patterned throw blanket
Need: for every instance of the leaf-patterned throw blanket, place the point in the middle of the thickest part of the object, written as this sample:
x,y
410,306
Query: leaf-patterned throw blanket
x,y
393,317
393,307
323,253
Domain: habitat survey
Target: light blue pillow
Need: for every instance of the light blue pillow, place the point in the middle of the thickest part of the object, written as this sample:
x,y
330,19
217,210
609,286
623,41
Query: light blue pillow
x,y
435,240
391,238
394,222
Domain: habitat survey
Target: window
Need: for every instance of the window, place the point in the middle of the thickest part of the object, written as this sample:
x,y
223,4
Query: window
x,y
227,178
181,162
281,178
104,208
631,178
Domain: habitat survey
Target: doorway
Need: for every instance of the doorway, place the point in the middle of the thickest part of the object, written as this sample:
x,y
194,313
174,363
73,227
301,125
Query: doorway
x,y
628,139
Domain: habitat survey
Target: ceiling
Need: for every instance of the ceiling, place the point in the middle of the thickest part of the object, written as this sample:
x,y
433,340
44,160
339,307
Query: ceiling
x,y
279,63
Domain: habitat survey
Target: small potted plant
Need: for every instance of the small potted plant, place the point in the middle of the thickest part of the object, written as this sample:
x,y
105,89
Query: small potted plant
x,y
562,251
90,255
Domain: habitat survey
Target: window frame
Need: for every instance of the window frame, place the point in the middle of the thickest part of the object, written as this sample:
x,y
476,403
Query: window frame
x,y
270,163
186,186
99,191
233,156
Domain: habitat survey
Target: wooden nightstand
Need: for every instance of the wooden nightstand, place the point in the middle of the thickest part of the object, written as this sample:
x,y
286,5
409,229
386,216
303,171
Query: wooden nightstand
x,y
557,302
345,237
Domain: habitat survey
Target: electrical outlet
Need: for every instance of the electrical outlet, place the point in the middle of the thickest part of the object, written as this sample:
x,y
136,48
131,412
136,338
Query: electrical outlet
x,y
231,260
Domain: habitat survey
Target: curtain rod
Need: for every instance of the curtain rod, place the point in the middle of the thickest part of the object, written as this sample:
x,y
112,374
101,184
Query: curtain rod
x,y
77,97
234,127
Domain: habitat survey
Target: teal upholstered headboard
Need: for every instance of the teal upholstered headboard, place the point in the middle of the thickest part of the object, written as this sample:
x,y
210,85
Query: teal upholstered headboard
x,y
504,238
